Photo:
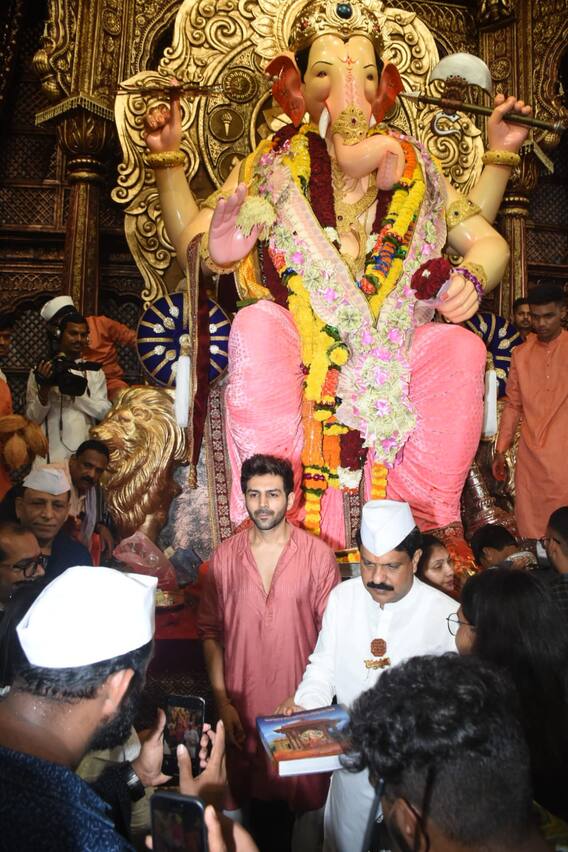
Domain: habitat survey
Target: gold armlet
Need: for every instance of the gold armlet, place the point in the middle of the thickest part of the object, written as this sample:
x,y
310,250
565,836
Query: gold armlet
x,y
165,159
501,158
460,210
207,260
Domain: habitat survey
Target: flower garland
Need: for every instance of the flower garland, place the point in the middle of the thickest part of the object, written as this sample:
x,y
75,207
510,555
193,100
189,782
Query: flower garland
x,y
357,373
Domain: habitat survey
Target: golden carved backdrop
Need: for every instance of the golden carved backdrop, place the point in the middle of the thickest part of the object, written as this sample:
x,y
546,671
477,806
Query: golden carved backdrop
x,y
63,198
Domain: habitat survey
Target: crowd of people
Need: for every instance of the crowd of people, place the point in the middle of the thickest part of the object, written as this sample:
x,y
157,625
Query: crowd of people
x,y
456,690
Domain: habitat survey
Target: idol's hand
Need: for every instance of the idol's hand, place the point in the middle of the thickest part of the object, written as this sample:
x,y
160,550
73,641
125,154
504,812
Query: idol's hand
x,y
501,135
163,126
227,243
461,300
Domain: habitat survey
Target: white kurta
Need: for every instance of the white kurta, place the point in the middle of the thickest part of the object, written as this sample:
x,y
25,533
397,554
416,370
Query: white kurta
x,y
413,626
67,419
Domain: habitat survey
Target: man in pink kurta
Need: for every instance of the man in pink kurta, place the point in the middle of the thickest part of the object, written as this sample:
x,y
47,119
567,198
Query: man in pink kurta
x,y
537,394
266,636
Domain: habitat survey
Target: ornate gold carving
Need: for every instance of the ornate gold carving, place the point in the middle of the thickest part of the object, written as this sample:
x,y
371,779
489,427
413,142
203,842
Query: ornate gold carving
x,y
53,61
228,42
325,18
145,444
495,11
351,125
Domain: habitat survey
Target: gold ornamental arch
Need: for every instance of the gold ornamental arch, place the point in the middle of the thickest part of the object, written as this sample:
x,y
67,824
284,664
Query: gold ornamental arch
x,y
227,44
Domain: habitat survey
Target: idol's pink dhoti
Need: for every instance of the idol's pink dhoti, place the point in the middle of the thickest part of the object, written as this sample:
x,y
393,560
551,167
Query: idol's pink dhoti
x,y
264,404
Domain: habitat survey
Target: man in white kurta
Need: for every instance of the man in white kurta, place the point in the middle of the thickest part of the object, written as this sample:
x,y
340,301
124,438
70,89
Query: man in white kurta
x,y
365,629
66,419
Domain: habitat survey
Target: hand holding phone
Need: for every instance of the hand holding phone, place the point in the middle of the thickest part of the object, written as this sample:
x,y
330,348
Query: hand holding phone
x,y
178,823
184,724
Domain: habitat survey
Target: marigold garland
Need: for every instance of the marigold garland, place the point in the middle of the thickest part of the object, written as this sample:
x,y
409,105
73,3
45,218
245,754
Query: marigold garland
x,y
332,451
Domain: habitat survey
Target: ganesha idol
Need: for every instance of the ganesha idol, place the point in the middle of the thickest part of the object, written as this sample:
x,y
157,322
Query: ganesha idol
x,y
331,227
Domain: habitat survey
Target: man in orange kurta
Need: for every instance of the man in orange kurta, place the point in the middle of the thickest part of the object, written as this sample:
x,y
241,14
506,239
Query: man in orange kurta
x,y
5,399
537,394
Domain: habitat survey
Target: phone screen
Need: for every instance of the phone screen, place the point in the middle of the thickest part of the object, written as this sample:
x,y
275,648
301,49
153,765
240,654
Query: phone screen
x,y
184,724
177,823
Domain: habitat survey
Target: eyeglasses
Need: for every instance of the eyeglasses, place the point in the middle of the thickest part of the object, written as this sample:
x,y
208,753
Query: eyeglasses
x,y
30,567
454,623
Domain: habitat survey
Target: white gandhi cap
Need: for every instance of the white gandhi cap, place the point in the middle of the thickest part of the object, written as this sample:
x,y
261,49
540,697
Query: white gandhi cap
x,y
384,524
51,480
54,306
86,615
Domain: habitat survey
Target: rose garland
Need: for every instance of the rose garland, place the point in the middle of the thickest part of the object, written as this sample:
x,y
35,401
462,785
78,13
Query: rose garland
x,y
373,392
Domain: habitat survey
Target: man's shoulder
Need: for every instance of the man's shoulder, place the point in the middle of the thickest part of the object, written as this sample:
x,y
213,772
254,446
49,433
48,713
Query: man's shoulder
x,y
227,549
307,540
347,592
433,598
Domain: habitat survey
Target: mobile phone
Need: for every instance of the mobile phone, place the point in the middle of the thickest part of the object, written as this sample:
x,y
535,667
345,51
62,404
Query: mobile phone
x,y
177,823
185,715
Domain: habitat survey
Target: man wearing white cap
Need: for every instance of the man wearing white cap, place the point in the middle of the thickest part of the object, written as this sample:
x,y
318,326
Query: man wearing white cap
x,y
43,508
105,335
76,689
64,394
370,623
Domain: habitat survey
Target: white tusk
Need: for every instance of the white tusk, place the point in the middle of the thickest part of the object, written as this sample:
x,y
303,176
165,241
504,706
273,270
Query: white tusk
x,y
325,118
372,121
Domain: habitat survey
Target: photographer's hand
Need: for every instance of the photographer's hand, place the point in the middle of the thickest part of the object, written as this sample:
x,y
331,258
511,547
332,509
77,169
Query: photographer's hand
x,y
43,373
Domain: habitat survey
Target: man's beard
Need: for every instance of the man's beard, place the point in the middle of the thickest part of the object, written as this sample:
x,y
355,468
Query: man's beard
x,y
273,519
116,730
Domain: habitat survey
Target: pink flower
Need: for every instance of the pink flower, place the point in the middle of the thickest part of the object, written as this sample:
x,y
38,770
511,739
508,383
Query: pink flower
x,y
388,444
395,336
330,295
382,407
366,338
380,376
298,258
382,354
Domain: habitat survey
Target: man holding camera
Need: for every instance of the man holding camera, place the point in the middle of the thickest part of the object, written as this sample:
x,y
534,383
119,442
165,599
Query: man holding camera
x,y
66,394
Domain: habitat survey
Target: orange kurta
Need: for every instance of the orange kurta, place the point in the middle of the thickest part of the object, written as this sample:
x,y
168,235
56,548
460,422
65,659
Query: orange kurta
x,y
104,335
5,409
537,391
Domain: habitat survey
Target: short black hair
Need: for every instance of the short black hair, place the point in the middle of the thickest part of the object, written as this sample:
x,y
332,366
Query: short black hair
x,y
491,535
92,444
444,734
81,682
558,521
408,545
544,294
13,529
261,465
7,322
522,300
76,318
429,542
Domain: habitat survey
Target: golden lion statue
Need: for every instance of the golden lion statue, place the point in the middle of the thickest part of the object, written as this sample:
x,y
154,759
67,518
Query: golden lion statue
x,y
145,443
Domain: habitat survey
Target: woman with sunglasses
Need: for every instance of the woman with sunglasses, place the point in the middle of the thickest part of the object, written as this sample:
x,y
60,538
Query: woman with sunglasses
x,y
510,619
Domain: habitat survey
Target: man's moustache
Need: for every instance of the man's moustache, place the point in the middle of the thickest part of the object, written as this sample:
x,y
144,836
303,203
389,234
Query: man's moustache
x,y
380,587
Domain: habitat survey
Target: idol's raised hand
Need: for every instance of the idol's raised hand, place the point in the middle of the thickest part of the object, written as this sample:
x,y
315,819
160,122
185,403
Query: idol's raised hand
x,y
163,126
227,243
503,136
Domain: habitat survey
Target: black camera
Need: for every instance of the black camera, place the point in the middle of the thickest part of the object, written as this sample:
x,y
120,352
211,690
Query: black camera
x,y
63,377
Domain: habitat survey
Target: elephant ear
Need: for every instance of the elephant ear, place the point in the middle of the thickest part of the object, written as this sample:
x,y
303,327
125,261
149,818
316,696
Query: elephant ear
x,y
287,87
389,87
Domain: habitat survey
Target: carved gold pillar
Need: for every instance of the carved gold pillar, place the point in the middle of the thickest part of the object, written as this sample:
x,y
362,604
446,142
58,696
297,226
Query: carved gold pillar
x,y
84,138
79,61
513,222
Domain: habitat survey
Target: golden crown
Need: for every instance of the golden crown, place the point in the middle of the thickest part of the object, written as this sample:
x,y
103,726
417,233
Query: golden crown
x,y
331,18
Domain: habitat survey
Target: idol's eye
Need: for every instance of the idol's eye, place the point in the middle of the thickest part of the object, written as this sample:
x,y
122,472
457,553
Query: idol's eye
x,y
321,74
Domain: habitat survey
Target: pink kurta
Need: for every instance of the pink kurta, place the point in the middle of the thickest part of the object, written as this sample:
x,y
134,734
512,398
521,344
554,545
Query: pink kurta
x,y
267,640
537,391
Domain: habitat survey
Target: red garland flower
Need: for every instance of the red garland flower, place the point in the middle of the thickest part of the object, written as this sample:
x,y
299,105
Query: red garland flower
x,y
428,279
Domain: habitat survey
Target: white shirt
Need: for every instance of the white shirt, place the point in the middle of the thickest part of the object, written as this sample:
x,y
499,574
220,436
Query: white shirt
x,y
413,626
67,419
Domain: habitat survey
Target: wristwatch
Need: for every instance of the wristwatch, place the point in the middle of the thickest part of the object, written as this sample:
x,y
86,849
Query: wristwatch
x,y
135,786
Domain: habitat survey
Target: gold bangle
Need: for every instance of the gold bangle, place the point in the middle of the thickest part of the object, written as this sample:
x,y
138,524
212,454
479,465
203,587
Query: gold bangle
x,y
477,270
165,159
501,158
460,210
207,260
